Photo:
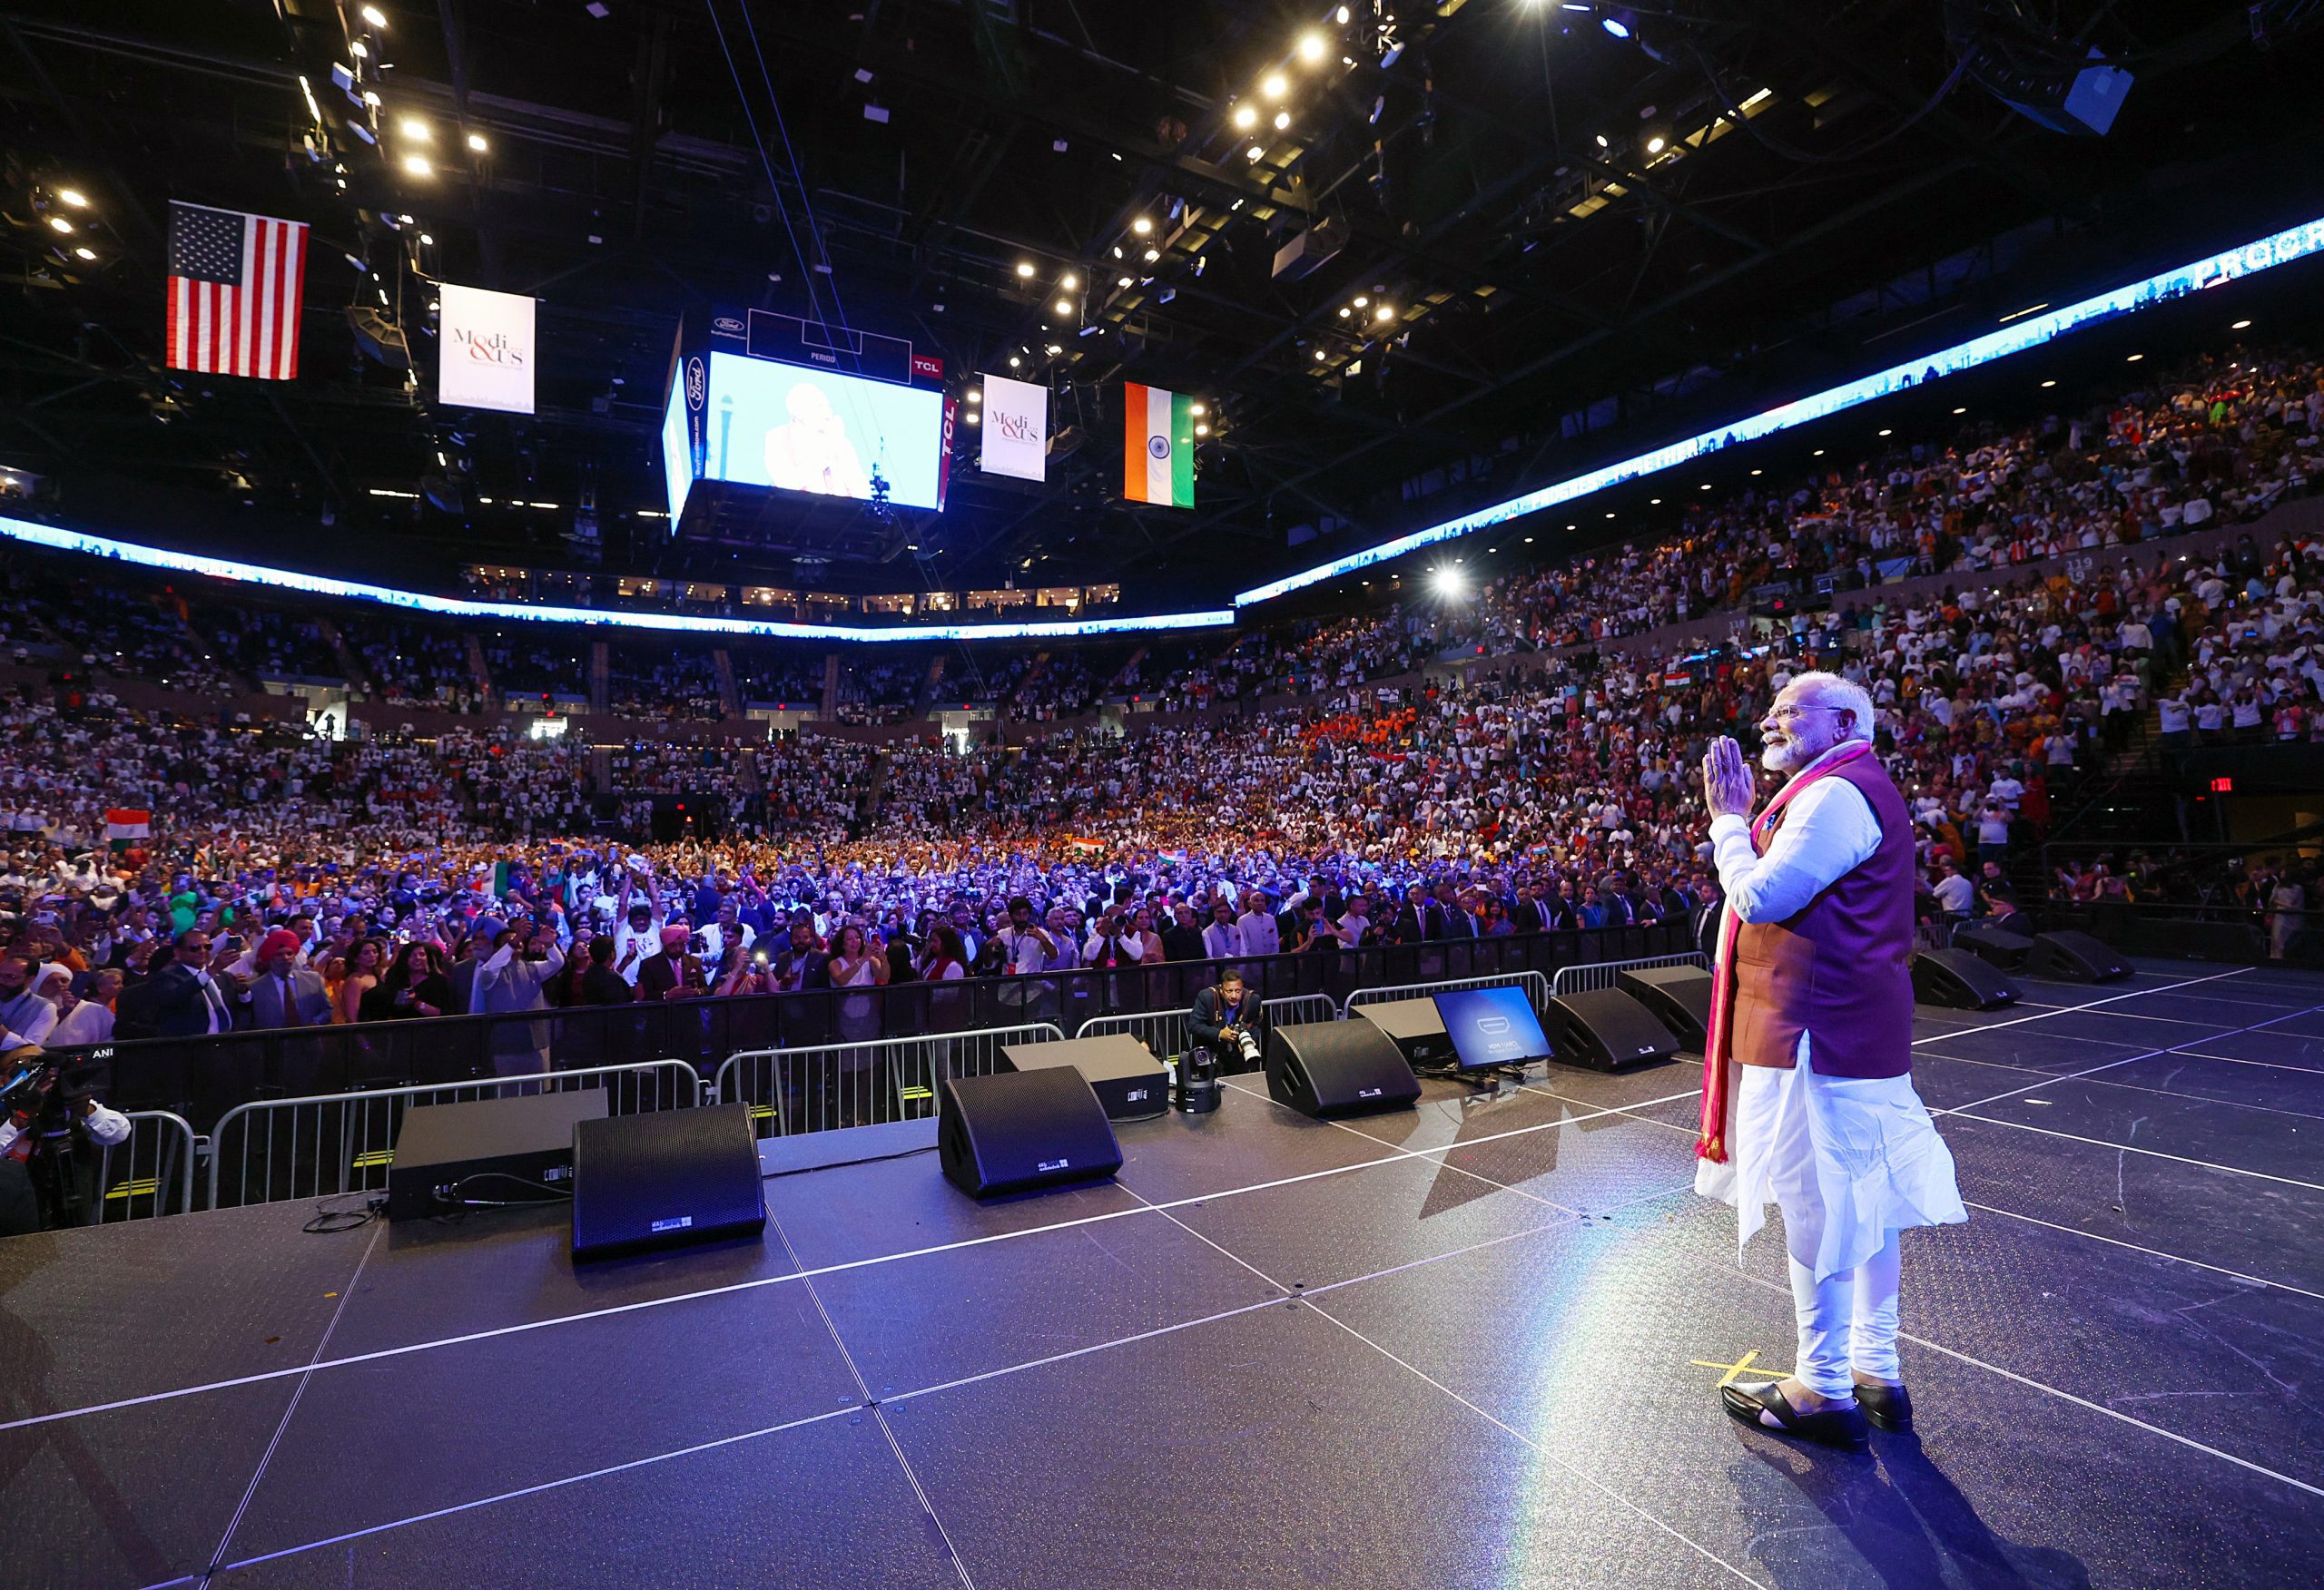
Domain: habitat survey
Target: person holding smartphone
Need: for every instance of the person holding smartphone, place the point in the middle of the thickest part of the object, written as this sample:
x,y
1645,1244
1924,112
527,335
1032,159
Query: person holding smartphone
x,y
413,987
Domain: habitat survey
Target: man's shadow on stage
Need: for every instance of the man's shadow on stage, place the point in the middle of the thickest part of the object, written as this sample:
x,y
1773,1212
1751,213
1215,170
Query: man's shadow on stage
x,y
1907,1521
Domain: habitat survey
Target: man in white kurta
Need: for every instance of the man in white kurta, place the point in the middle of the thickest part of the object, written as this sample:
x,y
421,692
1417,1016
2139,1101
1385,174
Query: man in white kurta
x,y
1849,1160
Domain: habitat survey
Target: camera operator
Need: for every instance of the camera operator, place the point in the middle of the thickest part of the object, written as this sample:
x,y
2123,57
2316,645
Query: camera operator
x,y
47,1176
1224,1020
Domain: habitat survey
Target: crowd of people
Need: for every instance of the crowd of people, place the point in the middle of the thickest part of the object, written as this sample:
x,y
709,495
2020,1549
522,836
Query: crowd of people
x,y
1553,781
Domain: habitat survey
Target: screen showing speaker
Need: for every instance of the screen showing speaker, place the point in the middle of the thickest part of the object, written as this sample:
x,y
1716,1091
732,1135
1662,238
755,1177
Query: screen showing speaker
x,y
817,431
1492,1027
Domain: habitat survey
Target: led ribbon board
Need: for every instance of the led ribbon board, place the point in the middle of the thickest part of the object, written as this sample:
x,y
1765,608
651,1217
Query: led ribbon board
x,y
186,562
2214,271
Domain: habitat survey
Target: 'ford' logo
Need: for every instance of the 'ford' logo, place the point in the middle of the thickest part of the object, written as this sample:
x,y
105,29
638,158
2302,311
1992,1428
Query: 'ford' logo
x,y
693,382
727,323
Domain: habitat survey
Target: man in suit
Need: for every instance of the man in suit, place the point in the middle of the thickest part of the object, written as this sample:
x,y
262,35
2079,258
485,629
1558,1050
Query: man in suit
x,y
1224,1020
512,980
183,997
283,994
1525,915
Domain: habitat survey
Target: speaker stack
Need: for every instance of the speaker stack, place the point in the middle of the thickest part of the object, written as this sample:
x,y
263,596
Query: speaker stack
x,y
1338,1068
1679,998
2074,957
1957,980
1019,1131
1605,1029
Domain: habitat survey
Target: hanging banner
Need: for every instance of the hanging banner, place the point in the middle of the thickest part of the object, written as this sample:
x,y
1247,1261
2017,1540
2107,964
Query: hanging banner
x,y
1016,428
485,340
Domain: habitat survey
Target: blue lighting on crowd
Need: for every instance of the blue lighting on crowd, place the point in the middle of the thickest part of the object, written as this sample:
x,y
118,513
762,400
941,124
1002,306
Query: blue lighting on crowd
x,y
2213,270
187,563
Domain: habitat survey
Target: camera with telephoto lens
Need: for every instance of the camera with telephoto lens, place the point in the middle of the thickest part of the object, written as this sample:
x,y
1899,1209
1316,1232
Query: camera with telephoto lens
x,y
43,1096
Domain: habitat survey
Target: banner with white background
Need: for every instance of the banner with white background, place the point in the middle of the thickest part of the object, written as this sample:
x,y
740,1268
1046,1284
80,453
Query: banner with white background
x,y
486,342
1016,428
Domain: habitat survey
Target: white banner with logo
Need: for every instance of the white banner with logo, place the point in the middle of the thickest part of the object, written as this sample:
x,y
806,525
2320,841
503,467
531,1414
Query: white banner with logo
x,y
1016,428
485,339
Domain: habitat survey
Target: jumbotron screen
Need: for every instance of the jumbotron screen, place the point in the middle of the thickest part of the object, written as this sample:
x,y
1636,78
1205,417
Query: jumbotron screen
x,y
801,429
677,461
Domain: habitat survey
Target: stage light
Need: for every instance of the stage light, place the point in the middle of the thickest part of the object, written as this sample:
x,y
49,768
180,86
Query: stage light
x,y
426,242
1014,363
1614,25
1152,255
80,200
2239,325
371,98
372,14
1273,86
1754,471
974,417
1025,269
85,252
1064,307
416,129
1282,121
1819,453
1311,46
360,50
1245,118
1202,430
1198,410
1341,15
1321,355
975,395
1604,143
1961,411
1360,300
1345,313
2049,384
1142,226
1383,313
1069,281
477,142
1253,153
416,164
1655,145
1449,582
2134,358
60,224
1887,433
1122,281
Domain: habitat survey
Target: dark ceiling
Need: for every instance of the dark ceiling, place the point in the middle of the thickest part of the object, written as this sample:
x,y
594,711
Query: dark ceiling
x,y
1835,185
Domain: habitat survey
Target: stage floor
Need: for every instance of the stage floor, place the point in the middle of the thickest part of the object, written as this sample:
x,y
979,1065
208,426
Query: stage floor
x,y
1475,1344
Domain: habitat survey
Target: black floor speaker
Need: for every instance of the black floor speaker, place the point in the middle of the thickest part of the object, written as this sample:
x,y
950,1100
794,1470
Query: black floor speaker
x,y
1016,1131
1996,947
665,1178
1338,1068
1679,998
1958,980
2074,957
1605,1029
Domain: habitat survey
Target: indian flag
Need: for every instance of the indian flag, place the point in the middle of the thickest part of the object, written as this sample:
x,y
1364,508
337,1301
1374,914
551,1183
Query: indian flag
x,y
124,826
1157,447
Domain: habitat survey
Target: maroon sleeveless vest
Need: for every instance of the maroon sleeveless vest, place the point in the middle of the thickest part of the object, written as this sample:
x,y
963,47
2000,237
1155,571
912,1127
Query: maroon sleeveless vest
x,y
1840,969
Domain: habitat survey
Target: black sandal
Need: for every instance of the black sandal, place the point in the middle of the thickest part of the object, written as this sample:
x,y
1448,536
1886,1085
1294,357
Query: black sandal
x,y
1887,1406
1844,1427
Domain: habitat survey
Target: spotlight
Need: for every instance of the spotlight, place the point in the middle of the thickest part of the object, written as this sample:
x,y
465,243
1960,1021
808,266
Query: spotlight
x,y
2239,325
375,16
976,395
1069,281
477,143
1141,226
1383,313
1198,410
60,224
1345,313
1152,255
1961,411
1064,307
1121,281
1361,300
1025,269
1604,143
974,418
80,200
2134,358
2048,384
426,242
1202,430
1615,25
1282,120
1273,86
1341,15
1245,118
1887,433
85,252
1014,363
1449,582
1655,145
1311,46
416,129
416,164
1255,152
1321,355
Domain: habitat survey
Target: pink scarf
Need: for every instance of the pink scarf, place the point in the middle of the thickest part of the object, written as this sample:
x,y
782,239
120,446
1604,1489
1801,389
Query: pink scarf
x,y
1710,1144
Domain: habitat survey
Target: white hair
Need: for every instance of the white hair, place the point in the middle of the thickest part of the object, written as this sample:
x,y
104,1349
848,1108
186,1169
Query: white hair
x,y
1829,690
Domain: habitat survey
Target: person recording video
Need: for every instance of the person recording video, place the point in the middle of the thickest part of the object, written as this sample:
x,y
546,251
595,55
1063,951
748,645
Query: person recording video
x,y
48,1175
1225,1021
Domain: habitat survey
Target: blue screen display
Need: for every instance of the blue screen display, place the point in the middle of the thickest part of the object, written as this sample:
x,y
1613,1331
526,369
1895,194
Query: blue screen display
x,y
677,465
800,429
1492,1027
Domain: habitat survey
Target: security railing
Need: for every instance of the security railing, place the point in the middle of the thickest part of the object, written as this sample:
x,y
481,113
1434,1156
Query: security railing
x,y
1536,986
816,1089
1595,975
149,1175
276,1150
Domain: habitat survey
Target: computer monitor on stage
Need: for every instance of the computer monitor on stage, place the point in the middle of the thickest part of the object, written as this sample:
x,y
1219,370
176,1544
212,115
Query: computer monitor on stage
x,y
1492,1027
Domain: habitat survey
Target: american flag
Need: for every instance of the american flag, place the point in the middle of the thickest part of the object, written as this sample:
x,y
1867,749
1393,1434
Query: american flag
x,y
234,285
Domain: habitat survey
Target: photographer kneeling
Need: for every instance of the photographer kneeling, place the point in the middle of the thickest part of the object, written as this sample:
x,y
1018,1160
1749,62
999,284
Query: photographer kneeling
x,y
1225,1021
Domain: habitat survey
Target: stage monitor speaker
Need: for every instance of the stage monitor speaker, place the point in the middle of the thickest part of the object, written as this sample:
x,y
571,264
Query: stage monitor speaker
x,y
1416,1028
1605,1029
1128,1080
1958,980
663,1178
1996,947
1679,998
502,1142
2074,957
1338,1068
1016,1131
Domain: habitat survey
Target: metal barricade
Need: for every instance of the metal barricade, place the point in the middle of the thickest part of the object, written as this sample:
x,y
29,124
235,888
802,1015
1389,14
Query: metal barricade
x,y
149,1175
1594,975
1164,1031
1536,986
277,1149
816,1089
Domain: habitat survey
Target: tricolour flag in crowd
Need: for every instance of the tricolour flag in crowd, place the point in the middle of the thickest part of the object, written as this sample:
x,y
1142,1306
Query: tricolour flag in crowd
x,y
126,827
234,294
1158,447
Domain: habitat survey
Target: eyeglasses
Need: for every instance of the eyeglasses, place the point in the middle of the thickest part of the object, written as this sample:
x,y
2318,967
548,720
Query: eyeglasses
x,y
1786,714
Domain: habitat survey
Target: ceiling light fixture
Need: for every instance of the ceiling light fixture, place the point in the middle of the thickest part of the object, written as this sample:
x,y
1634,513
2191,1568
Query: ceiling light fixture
x,y
1069,281
85,252
1655,145
416,129
1273,86
1025,270
1383,313
1245,118
416,164
60,224
477,142
80,200
2240,325
1311,46
1282,120
1064,307
1141,226
372,14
